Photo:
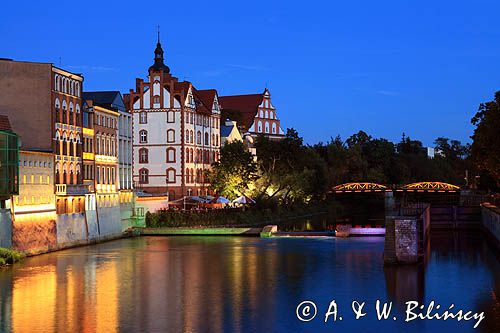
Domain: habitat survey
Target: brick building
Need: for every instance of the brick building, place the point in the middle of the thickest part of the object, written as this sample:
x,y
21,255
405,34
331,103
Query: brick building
x,y
44,106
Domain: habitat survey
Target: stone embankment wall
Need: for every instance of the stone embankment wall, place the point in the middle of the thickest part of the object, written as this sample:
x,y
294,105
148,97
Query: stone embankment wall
x,y
34,233
5,228
491,220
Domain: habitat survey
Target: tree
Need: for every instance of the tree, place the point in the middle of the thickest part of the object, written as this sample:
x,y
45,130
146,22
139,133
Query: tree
x,y
235,172
485,147
288,170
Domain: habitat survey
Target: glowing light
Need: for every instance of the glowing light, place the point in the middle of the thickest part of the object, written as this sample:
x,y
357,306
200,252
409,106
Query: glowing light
x,y
359,187
431,186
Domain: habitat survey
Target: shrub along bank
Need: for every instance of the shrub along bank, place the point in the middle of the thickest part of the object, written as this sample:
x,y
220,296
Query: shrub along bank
x,y
9,256
255,216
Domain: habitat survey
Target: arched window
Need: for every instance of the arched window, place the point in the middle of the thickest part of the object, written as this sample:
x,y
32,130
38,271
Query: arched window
x,y
261,114
58,107
267,127
267,114
144,176
170,175
191,136
170,135
143,136
213,139
198,137
217,139
259,127
187,136
143,155
170,155
207,143
274,128
191,155
187,155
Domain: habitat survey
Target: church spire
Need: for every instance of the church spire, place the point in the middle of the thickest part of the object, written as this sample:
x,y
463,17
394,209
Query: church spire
x,y
158,64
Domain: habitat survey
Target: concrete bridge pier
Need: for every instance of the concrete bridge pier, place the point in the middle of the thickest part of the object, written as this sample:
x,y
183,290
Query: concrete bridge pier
x,y
406,237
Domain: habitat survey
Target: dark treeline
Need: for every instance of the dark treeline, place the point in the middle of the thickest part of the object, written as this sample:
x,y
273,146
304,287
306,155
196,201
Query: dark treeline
x,y
362,158
288,171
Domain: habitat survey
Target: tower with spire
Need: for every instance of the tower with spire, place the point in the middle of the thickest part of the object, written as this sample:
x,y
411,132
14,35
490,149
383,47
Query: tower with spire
x,y
159,64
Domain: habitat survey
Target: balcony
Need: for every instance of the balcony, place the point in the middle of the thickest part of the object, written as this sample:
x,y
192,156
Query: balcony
x,y
67,189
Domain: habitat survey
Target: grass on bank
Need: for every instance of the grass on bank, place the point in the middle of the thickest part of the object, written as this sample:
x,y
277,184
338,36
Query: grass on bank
x,y
8,256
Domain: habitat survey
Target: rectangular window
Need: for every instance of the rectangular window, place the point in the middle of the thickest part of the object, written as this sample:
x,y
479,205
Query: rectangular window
x,y
143,117
170,117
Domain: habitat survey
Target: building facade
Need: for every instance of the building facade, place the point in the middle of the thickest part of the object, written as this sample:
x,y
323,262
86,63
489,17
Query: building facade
x,y
176,133
44,105
255,114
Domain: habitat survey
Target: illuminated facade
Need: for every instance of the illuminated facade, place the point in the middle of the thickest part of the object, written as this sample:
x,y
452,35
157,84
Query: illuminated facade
x,y
105,128
176,133
48,119
255,114
36,190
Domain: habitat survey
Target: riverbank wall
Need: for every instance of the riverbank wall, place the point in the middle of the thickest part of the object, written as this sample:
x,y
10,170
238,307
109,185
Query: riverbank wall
x,y
490,219
40,232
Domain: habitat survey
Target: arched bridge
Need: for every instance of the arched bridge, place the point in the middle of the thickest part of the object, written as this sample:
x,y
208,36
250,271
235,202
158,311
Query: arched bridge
x,y
414,187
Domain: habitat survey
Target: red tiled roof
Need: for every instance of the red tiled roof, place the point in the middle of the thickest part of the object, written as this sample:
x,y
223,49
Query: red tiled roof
x,y
206,97
182,87
247,105
5,123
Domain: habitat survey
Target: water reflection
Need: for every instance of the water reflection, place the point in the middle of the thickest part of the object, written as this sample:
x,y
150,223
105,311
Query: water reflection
x,y
219,284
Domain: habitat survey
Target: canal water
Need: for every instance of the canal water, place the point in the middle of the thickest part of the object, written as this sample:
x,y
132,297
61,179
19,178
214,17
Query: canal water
x,y
240,284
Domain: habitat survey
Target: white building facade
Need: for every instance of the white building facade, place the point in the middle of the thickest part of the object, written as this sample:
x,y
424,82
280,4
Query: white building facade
x,y
176,133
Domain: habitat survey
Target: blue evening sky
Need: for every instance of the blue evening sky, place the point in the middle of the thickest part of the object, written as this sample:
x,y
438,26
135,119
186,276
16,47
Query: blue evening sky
x,y
333,67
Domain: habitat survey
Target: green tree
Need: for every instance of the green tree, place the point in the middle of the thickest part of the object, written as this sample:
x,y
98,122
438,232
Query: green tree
x,y
485,147
235,172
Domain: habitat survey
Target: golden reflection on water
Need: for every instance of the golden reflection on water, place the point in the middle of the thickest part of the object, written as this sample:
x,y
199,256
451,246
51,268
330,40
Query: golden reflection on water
x,y
32,292
52,297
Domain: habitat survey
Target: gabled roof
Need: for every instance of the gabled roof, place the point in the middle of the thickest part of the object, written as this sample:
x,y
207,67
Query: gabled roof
x,y
5,123
205,99
109,99
247,105
183,86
